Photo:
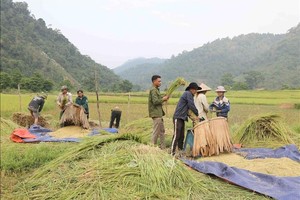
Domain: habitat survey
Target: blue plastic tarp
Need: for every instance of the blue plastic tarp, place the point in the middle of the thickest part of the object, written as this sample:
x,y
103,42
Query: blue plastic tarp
x,y
290,151
42,135
282,188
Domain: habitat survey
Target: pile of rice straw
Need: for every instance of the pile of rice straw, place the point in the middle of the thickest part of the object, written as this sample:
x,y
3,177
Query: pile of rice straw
x,y
116,167
264,129
74,115
26,120
112,169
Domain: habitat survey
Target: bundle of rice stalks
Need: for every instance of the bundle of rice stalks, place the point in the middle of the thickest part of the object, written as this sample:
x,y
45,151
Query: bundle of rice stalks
x,y
264,130
27,120
74,115
114,169
176,84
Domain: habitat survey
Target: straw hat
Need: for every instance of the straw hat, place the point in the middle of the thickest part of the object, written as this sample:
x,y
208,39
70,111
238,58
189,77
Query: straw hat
x,y
220,89
204,88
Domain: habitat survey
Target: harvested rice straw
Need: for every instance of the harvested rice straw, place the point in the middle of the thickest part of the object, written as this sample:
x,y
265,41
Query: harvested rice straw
x,y
176,84
263,128
26,120
112,169
74,115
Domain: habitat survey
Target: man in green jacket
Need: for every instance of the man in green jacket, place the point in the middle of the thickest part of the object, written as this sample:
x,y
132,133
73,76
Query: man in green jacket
x,y
155,102
82,101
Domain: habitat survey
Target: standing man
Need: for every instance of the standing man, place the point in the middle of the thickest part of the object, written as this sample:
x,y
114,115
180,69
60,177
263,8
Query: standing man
x,y
82,101
115,115
155,102
186,103
221,104
64,99
36,105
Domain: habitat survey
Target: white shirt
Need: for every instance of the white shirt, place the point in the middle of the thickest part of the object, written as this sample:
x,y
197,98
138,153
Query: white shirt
x,y
201,105
67,96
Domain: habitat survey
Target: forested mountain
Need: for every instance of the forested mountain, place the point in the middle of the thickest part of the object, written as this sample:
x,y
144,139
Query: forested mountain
x,y
138,62
243,62
30,48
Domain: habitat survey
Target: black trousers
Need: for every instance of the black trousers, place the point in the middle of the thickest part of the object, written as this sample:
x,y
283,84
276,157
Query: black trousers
x,y
178,136
115,115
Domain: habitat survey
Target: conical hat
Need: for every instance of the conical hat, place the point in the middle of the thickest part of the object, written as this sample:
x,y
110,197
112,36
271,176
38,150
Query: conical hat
x,y
204,88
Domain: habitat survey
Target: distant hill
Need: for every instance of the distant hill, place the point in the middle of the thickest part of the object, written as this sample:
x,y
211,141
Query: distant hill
x,y
136,63
28,46
275,57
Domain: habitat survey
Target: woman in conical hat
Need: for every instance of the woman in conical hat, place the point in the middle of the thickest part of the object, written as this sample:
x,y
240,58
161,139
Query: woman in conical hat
x,y
201,102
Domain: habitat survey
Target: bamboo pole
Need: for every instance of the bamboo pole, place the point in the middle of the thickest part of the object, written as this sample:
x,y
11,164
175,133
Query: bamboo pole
x,y
20,100
97,95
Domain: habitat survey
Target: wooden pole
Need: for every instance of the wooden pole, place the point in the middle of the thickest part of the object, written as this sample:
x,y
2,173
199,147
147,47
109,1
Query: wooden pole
x,y
19,93
97,95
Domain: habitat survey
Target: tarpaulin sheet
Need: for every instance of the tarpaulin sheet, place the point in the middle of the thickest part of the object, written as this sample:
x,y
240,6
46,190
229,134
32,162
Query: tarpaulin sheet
x,y
21,133
290,151
282,188
37,133
42,135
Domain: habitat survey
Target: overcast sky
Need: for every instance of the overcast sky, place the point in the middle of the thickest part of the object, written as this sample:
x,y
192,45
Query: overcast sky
x,y
113,31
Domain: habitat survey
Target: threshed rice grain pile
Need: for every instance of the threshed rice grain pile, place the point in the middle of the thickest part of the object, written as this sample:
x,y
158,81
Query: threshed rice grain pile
x,y
70,132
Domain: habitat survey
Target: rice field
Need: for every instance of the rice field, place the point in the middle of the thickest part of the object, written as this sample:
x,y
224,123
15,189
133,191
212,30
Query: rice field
x,y
19,161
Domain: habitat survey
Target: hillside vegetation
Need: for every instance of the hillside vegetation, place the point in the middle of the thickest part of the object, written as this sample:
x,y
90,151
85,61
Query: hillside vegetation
x,y
244,62
31,48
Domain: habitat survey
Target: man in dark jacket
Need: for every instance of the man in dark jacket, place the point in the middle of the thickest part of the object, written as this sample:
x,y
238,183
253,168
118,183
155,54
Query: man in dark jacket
x,y
155,101
115,116
82,101
185,104
36,105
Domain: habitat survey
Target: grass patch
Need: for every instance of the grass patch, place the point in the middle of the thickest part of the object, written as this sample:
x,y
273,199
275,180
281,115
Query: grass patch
x,y
18,158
